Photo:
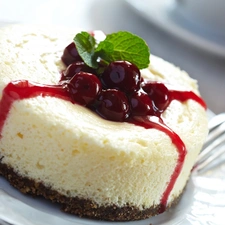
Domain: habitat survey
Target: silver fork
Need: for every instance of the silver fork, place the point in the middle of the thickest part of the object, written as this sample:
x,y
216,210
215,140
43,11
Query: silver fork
x,y
214,146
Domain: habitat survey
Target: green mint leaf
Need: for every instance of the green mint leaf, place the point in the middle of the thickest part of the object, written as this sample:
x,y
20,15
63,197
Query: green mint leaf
x,y
85,44
124,46
105,51
117,46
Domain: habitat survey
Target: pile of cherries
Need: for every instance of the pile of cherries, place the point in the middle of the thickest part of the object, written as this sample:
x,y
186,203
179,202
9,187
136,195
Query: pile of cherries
x,y
116,91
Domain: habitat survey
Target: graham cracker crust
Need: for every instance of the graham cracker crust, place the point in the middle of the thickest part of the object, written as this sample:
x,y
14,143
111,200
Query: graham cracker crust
x,y
78,206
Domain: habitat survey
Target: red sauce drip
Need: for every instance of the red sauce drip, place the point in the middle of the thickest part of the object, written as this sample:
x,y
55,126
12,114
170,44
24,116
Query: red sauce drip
x,y
23,89
183,96
157,123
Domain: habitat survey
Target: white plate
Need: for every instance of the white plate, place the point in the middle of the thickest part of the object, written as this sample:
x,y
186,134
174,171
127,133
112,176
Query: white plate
x,y
163,14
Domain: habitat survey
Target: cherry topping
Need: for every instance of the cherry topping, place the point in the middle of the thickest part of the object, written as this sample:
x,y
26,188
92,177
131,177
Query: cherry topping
x,y
141,104
74,68
159,94
113,105
70,54
121,75
84,88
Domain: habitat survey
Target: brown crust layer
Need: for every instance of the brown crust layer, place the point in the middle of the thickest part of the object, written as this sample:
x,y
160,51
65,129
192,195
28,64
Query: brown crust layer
x,y
74,205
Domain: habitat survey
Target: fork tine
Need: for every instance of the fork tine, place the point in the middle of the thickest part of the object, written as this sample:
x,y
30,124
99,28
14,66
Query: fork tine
x,y
215,132
211,158
216,120
212,148
209,149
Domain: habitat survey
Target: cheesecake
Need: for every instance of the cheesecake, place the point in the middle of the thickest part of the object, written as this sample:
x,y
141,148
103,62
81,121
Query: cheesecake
x,y
73,152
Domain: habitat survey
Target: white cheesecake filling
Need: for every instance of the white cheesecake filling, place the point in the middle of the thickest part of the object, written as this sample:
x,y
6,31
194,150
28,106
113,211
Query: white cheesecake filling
x,y
74,151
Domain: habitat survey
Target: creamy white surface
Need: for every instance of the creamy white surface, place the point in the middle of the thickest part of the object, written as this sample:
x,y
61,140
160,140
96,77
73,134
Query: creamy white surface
x,y
75,151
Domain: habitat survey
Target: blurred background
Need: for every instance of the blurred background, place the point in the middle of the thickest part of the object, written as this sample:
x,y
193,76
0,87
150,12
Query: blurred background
x,y
169,34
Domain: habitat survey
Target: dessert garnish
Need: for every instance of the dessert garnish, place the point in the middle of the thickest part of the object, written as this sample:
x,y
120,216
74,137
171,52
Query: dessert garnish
x,y
116,46
105,77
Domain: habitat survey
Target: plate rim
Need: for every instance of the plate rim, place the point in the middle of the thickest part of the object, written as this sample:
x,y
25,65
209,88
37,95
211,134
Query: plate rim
x,y
163,7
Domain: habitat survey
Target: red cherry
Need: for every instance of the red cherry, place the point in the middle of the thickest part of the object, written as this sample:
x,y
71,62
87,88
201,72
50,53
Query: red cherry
x,y
141,104
159,94
70,54
121,75
74,68
84,88
113,105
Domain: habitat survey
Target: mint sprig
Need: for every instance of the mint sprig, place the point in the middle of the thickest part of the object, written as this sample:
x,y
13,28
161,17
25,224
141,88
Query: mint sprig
x,y
121,45
85,44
